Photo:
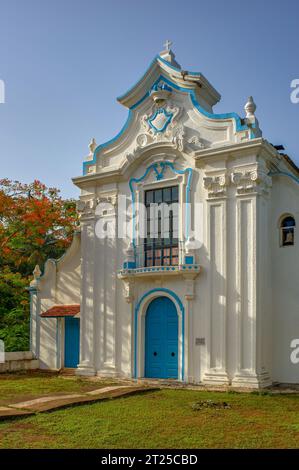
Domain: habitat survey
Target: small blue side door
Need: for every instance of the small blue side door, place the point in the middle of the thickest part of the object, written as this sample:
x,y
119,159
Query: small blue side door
x,y
161,339
71,341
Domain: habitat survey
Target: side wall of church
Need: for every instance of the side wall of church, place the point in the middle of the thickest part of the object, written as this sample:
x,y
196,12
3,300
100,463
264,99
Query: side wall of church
x,y
60,285
285,281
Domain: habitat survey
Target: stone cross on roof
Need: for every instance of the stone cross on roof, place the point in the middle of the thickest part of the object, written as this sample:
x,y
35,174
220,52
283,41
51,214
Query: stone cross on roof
x,y
168,55
167,45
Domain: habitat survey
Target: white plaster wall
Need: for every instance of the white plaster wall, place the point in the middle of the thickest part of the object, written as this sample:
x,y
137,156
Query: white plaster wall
x,y
285,281
61,284
48,343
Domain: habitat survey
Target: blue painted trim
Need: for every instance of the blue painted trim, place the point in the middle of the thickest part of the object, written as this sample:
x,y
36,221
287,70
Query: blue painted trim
x,y
129,265
239,126
155,60
159,176
182,309
168,116
189,259
147,94
104,145
121,97
161,269
162,87
284,173
235,116
176,68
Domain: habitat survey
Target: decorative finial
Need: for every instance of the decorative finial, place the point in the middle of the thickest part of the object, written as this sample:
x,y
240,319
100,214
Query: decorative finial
x,y
130,250
167,45
36,277
36,272
190,245
92,146
250,119
250,107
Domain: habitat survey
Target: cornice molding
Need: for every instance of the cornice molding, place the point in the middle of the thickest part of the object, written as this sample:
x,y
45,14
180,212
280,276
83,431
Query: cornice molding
x,y
259,144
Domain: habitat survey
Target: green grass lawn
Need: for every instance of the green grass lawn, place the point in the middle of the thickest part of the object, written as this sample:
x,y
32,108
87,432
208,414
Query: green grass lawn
x,y
25,386
163,419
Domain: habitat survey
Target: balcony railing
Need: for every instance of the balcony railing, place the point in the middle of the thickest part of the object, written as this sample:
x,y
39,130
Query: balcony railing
x,y
150,259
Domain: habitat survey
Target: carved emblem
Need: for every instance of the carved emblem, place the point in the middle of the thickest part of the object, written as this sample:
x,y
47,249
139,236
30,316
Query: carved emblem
x,y
162,125
160,120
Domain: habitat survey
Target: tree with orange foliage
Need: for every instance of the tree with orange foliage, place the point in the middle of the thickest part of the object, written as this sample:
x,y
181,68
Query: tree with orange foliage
x,y
35,224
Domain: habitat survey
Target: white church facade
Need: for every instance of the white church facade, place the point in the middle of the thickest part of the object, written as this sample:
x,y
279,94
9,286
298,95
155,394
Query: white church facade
x,y
216,299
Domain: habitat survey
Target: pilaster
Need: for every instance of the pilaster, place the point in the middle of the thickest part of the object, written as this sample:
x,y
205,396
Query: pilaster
x,y
87,220
251,188
216,333
108,282
34,291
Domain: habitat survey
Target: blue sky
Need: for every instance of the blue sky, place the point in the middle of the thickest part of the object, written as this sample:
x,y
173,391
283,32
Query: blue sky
x,y
64,62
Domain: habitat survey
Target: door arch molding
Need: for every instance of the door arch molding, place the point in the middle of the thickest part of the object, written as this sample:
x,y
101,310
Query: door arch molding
x,y
139,329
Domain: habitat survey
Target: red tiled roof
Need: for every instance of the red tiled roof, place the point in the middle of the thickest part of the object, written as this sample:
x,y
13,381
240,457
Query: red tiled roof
x,y
62,311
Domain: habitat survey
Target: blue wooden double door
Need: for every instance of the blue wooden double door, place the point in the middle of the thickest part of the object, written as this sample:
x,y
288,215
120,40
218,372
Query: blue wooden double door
x,y
161,339
71,341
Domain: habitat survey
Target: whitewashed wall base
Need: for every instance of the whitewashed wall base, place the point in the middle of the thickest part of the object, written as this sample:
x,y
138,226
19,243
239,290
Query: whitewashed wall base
x,y
252,380
216,378
108,371
85,370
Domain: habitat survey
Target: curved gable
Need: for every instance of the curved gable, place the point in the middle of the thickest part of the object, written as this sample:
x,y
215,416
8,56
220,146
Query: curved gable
x,y
173,106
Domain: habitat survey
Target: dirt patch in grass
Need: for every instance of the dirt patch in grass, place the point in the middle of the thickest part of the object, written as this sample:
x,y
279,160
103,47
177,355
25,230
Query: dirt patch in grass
x,y
214,405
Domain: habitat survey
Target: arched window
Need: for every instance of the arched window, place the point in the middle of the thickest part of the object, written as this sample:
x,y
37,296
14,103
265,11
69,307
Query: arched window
x,y
287,230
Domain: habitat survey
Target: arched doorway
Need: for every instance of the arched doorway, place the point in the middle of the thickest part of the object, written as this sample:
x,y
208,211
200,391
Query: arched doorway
x,y
161,339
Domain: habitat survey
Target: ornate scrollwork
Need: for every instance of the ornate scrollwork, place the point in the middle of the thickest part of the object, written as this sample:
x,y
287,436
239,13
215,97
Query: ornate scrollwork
x,y
195,142
216,185
251,181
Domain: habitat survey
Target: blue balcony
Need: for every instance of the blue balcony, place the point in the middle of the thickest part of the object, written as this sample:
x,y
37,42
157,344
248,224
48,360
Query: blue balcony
x,y
150,260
